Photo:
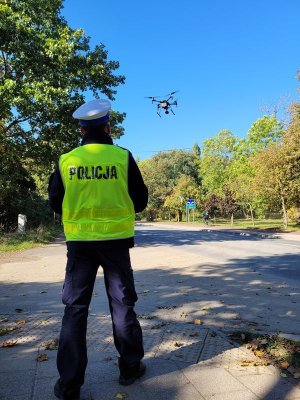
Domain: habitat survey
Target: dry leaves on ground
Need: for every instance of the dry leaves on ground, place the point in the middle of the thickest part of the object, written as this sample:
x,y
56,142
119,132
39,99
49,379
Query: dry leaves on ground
x,y
42,357
9,343
272,349
197,321
51,344
251,363
121,395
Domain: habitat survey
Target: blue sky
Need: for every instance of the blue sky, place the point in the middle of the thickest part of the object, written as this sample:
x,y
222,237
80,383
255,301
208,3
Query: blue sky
x,y
229,60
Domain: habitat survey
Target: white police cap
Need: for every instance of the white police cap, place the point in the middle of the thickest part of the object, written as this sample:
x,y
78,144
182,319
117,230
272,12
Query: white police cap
x,y
93,112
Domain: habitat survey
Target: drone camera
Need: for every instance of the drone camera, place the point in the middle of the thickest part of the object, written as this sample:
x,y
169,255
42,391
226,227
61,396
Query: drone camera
x,y
164,104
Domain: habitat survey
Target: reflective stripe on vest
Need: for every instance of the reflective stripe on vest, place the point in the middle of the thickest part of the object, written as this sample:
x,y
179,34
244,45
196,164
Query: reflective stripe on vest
x,y
96,204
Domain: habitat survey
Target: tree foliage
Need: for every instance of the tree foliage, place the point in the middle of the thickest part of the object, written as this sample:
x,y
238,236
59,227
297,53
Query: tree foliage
x,y
263,132
45,69
217,155
231,175
162,174
185,188
277,167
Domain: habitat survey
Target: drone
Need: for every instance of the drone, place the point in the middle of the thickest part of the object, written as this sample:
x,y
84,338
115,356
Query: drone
x,y
165,104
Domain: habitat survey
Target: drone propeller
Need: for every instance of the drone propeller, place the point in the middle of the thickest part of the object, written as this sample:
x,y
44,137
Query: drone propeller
x,y
171,94
152,98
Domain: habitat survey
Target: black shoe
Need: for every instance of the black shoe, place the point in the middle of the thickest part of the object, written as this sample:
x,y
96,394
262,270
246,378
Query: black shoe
x,y
66,394
128,380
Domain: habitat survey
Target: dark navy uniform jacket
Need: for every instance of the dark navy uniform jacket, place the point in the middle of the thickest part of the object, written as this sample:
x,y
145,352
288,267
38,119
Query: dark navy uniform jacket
x,y
136,187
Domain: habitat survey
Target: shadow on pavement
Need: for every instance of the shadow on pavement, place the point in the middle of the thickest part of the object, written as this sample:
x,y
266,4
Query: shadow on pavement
x,y
237,295
178,237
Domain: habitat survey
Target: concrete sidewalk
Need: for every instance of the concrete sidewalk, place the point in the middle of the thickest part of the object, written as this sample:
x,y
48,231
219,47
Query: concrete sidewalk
x,y
184,360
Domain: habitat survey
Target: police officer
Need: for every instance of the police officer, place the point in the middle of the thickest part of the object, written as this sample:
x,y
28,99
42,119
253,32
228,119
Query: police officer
x,y
97,188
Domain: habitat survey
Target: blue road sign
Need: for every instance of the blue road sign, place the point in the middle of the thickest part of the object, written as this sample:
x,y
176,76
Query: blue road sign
x,y
190,203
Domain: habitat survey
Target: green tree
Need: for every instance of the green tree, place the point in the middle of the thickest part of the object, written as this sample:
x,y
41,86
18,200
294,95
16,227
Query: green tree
x,y
45,69
241,173
185,188
217,155
211,205
227,204
291,154
276,162
196,150
264,131
269,182
161,174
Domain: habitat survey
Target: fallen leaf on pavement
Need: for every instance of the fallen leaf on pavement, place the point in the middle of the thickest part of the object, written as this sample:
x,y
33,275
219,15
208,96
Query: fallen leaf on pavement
x,y
284,364
42,357
178,344
4,331
9,343
246,363
21,322
51,344
197,322
121,395
259,353
45,321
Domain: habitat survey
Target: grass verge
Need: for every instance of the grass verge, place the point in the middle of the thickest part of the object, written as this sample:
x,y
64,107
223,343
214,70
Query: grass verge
x,y
265,224
270,225
32,238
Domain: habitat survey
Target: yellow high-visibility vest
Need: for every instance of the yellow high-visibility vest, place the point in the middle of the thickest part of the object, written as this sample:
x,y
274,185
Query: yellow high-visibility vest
x,y
96,204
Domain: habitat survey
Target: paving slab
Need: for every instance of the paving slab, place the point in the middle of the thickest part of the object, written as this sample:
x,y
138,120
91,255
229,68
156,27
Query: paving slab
x,y
184,361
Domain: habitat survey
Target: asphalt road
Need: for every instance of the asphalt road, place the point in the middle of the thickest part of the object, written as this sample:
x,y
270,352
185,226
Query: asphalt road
x,y
274,254
229,279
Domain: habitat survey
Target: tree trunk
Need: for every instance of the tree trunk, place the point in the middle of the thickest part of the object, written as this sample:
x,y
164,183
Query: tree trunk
x,y
251,212
284,212
179,215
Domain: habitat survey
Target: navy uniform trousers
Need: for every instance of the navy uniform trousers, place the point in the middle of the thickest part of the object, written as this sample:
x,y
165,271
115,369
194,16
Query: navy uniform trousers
x,y
83,261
